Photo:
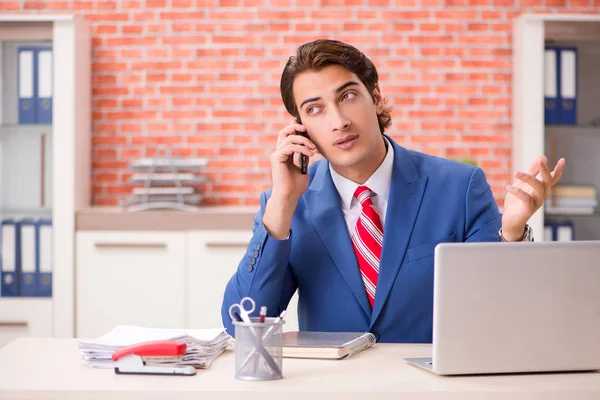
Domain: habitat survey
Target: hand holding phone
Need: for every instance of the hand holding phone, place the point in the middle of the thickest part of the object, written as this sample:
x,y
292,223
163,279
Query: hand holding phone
x,y
303,157
289,178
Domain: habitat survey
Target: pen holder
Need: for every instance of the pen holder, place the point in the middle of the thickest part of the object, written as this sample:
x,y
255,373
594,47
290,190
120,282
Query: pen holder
x,y
258,350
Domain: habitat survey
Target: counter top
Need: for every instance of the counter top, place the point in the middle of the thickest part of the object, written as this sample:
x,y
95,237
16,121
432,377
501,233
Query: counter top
x,y
207,218
39,368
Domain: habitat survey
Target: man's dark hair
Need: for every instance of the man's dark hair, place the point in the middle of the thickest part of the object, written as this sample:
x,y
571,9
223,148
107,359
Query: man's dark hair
x,y
321,53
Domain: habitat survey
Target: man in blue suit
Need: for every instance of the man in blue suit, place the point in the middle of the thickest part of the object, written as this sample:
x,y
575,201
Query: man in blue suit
x,y
356,235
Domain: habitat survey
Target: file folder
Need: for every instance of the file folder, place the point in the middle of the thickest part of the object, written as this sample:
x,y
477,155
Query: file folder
x,y
551,95
45,258
29,265
568,85
549,234
44,86
9,262
565,231
26,85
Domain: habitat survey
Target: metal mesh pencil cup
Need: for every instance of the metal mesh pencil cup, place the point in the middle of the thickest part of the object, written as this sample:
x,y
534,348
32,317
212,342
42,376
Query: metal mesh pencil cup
x,y
258,350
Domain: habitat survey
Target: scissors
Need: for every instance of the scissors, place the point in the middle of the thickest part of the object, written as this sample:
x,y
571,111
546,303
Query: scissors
x,y
243,312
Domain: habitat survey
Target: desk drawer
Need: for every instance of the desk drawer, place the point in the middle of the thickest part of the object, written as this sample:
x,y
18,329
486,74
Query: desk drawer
x,y
25,317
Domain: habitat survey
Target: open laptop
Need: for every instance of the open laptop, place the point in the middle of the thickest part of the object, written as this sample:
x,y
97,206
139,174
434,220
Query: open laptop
x,y
515,308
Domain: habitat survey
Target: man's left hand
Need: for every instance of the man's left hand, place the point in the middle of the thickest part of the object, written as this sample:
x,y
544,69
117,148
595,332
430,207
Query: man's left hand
x,y
527,195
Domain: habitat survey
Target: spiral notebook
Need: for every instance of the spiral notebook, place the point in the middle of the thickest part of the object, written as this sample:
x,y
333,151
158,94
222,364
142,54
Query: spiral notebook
x,y
325,345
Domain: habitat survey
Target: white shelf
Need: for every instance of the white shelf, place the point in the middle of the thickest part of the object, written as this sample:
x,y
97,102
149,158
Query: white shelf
x,y
26,213
572,130
36,17
65,163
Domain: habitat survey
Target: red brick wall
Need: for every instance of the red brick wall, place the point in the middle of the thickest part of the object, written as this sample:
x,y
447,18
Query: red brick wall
x,y
203,76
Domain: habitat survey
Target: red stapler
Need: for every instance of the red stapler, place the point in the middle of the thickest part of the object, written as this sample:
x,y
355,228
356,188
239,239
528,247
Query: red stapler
x,y
132,359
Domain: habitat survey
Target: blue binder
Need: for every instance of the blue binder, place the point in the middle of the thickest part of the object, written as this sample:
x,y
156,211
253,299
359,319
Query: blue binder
x,y
568,85
9,258
551,85
44,85
44,254
28,274
26,84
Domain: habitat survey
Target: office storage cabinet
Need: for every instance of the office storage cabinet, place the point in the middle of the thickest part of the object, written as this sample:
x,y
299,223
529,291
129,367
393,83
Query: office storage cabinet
x,y
44,166
212,258
132,278
163,279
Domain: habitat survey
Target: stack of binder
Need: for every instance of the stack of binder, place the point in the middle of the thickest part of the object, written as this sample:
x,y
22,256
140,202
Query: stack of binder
x,y
34,66
559,231
166,183
560,85
203,345
568,200
572,200
26,258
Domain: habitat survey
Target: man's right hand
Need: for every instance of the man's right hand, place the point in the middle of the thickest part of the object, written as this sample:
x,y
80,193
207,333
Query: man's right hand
x,y
288,181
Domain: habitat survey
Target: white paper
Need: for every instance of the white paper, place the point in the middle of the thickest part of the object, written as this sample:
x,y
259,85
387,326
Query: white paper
x,y
26,74
45,74
28,248
203,346
127,335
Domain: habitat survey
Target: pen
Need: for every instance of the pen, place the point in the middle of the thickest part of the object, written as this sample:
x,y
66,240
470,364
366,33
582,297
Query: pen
x,y
263,314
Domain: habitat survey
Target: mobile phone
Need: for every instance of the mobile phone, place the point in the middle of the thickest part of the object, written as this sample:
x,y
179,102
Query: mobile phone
x,y
303,157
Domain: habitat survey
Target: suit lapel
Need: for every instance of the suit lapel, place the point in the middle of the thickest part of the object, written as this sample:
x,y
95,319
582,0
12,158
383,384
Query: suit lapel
x,y
323,203
406,193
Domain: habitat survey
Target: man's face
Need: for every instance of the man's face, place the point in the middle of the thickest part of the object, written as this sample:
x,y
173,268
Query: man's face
x,y
339,114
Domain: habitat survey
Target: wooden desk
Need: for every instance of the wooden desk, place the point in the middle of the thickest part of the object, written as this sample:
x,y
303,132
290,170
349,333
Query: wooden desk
x,y
33,368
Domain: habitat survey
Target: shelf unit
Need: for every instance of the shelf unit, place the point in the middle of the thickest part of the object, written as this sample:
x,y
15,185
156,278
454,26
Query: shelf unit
x,y
65,156
531,137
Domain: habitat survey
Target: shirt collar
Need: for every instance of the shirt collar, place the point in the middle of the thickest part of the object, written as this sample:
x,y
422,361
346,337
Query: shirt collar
x,y
379,182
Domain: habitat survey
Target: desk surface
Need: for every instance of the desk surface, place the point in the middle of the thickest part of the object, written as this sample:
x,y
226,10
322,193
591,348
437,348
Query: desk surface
x,y
33,368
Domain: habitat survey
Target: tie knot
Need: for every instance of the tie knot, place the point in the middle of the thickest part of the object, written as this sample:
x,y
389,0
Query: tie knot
x,y
363,194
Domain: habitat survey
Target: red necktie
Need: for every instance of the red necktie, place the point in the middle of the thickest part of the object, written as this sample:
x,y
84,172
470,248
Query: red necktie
x,y
367,241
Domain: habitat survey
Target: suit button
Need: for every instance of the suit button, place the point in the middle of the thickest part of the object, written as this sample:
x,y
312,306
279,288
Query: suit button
x,y
252,261
258,247
250,268
256,253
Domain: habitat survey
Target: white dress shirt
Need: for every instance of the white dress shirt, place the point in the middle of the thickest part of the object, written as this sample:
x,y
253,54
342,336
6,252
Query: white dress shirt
x,y
379,183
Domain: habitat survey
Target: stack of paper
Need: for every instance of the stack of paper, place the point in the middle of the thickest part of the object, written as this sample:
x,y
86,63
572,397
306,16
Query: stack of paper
x,y
572,200
203,345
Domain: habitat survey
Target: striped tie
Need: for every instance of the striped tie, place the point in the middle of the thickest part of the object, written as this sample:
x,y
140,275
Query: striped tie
x,y
367,241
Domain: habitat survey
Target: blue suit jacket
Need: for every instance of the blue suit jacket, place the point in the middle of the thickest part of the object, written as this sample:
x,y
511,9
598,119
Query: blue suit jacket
x,y
431,200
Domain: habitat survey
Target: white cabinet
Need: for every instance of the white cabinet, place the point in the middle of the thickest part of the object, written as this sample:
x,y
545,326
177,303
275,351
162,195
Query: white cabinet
x,y
135,278
157,279
213,257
